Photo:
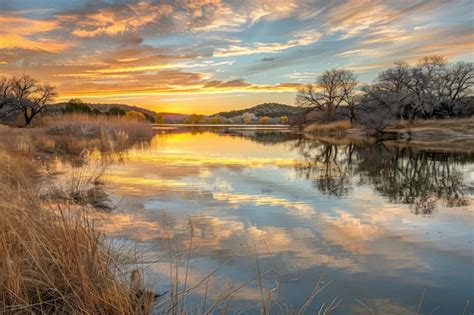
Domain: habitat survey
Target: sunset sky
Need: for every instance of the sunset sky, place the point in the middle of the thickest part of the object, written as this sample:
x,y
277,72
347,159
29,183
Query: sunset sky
x,y
204,56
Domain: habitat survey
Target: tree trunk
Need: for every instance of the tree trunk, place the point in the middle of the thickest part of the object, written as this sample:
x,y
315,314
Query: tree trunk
x,y
411,117
28,120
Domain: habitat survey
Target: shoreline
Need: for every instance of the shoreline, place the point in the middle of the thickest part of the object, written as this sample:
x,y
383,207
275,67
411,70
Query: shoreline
x,y
446,134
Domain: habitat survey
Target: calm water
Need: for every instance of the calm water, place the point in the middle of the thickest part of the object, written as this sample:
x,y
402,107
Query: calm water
x,y
379,224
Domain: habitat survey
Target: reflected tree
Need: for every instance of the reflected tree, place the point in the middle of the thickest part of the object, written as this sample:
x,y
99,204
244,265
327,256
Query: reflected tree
x,y
404,175
414,177
328,165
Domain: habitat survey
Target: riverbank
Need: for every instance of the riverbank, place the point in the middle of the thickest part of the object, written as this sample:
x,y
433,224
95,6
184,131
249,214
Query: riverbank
x,y
440,133
53,258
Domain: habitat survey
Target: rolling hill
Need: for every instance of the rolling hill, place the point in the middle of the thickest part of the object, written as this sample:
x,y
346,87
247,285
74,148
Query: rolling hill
x,y
272,110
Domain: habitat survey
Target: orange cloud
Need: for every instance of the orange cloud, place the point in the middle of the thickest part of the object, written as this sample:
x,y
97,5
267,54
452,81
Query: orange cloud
x,y
24,26
12,41
453,45
111,21
18,32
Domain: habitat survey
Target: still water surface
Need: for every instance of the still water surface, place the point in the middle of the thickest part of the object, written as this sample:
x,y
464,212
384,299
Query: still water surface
x,y
379,224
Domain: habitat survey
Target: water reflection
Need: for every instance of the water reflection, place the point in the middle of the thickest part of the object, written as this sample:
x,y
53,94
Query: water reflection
x,y
301,203
403,174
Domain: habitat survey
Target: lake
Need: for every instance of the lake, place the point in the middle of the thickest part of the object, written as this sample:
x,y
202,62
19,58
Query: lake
x,y
360,228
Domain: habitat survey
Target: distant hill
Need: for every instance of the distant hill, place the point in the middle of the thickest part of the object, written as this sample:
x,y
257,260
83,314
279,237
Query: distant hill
x,y
174,118
272,110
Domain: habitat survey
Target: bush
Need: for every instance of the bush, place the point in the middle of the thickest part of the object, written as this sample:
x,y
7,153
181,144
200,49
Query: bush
x,y
136,116
264,120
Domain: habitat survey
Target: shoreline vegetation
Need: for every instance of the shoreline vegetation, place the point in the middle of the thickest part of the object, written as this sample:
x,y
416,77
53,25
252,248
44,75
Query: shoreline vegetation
x,y
450,133
431,101
53,258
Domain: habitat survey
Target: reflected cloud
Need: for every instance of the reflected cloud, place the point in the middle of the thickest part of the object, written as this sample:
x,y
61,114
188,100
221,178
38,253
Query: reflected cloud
x,y
296,208
186,185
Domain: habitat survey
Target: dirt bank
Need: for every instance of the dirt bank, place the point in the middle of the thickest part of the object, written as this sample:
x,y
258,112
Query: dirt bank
x,y
452,134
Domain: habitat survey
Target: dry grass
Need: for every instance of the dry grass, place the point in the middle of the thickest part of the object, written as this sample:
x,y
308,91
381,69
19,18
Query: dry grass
x,y
53,260
451,124
71,137
452,133
74,133
329,128
438,134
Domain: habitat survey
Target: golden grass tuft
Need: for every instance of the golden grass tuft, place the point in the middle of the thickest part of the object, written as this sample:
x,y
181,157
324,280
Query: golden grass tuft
x,y
109,128
70,136
329,128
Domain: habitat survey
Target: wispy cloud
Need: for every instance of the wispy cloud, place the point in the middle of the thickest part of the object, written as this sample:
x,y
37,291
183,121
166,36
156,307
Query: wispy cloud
x,y
258,48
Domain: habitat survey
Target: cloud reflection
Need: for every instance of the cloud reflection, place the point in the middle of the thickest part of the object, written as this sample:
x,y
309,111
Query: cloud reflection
x,y
235,206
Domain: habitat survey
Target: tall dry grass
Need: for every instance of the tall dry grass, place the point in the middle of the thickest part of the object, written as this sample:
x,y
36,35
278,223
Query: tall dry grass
x,y
92,125
75,133
52,258
329,128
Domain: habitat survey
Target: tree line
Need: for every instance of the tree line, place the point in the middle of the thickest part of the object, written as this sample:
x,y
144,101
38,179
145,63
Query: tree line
x,y
432,88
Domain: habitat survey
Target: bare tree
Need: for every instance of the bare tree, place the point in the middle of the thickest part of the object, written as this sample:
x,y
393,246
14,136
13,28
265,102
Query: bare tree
x,y
438,89
387,99
456,89
390,91
332,89
432,88
377,118
6,96
27,95
349,83
425,86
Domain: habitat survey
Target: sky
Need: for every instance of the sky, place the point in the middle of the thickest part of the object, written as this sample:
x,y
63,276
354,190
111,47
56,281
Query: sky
x,y
206,56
